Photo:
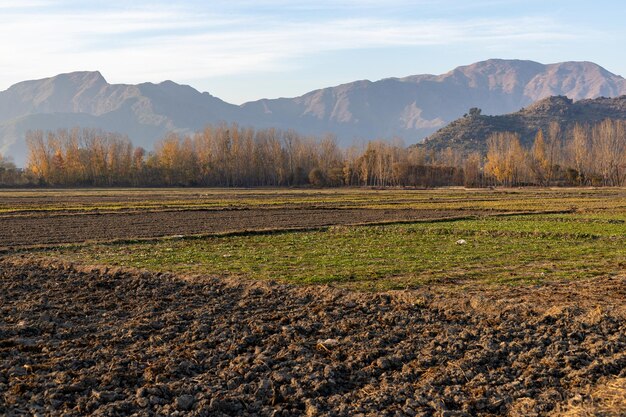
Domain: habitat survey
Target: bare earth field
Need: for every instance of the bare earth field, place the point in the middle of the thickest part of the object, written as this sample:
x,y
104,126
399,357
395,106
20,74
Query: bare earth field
x,y
526,318
87,341
55,228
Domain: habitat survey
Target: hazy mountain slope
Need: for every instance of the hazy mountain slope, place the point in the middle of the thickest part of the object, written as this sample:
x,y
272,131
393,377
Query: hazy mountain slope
x,y
145,112
470,133
415,106
411,107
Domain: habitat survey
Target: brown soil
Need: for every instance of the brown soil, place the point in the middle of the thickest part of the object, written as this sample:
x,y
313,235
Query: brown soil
x,y
93,198
77,341
46,229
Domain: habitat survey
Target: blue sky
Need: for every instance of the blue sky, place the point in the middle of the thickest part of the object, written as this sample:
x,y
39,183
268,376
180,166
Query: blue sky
x,y
245,50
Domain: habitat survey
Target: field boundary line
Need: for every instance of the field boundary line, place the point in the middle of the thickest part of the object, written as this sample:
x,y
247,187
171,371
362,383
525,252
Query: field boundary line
x,y
270,231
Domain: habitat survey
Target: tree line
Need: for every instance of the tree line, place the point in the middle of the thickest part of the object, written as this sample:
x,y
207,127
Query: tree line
x,y
585,155
228,156
233,156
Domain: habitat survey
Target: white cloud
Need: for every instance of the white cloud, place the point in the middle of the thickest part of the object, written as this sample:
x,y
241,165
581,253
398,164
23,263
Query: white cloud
x,y
164,42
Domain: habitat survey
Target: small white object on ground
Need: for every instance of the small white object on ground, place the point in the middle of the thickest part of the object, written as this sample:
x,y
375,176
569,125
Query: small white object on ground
x,y
328,343
461,242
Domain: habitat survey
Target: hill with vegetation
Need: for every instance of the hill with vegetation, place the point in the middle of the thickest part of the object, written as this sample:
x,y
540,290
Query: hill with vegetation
x,y
470,132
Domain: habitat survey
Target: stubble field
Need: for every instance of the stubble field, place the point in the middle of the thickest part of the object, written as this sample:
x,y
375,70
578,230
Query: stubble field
x,y
313,302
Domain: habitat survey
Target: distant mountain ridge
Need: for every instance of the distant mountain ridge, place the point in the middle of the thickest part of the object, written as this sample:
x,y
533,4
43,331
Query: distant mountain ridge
x,y
411,107
470,133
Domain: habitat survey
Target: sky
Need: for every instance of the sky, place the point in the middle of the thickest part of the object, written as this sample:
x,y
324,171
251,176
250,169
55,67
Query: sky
x,y
246,50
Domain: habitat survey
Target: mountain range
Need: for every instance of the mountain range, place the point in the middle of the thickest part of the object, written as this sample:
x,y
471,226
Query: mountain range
x,y
410,108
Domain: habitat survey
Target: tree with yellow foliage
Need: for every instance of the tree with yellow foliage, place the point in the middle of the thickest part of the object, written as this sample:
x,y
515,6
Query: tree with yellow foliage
x,y
506,158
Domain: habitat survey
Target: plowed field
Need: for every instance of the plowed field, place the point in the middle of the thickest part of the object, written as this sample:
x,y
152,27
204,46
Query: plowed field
x,y
55,228
78,341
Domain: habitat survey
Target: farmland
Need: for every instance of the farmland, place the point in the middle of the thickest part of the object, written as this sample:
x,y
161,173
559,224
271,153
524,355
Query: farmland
x,y
318,302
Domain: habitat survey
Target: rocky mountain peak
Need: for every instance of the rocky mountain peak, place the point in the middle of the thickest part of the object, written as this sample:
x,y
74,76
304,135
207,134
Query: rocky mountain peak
x,y
550,105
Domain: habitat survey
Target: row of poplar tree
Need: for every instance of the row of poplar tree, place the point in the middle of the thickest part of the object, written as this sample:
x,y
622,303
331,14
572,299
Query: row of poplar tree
x,y
585,155
232,156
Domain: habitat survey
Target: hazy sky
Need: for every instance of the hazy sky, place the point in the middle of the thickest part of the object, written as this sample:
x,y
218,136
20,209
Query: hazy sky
x,y
245,50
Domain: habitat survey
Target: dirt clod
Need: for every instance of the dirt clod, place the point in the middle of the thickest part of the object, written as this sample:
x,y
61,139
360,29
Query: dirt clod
x,y
184,402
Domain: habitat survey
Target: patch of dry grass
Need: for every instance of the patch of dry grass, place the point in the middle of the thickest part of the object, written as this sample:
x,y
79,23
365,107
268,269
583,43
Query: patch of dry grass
x,y
606,400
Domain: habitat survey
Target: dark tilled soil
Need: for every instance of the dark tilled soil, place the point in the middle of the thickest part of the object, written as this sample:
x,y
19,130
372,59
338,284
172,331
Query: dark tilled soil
x,y
63,228
77,341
